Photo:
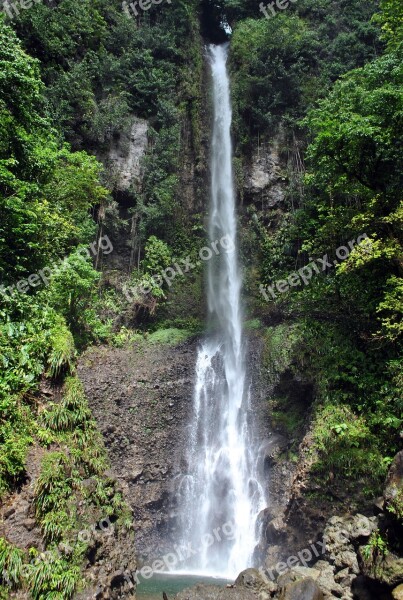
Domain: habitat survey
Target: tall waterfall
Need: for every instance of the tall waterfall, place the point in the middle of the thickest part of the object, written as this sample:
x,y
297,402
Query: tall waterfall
x,y
220,496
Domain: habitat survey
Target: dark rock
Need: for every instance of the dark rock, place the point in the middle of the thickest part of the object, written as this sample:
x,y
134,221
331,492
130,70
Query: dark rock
x,y
361,590
276,530
29,524
379,505
8,512
305,589
256,581
112,562
272,447
387,570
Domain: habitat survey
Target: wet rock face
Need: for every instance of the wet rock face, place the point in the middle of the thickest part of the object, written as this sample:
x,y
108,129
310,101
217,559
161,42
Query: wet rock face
x,y
264,181
17,515
110,566
141,398
125,156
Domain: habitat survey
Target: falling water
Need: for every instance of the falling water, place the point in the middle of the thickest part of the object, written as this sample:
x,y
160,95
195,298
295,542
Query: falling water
x,y
221,496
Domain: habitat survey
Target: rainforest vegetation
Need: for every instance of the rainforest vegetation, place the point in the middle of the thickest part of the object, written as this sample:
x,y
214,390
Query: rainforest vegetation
x,y
325,77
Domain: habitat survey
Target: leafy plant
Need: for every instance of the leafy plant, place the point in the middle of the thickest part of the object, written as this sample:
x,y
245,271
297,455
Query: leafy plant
x,y
11,561
376,547
63,352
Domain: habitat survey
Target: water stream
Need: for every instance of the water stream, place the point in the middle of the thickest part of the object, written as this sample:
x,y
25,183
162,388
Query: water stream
x,y
221,495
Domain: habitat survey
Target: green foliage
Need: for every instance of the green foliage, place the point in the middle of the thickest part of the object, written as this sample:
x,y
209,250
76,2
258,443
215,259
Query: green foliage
x,y
54,578
72,291
280,349
15,439
171,336
45,191
53,489
348,317
395,505
117,67
11,561
391,309
285,418
376,547
159,204
157,256
72,413
63,352
391,19
125,336
252,325
282,65
346,446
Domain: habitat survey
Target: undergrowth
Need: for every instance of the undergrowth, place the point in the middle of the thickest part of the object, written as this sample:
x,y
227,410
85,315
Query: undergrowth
x,y
71,493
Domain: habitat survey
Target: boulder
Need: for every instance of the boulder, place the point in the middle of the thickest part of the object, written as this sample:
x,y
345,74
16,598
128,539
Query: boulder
x,y
276,530
388,570
327,579
304,589
257,581
397,593
343,534
322,573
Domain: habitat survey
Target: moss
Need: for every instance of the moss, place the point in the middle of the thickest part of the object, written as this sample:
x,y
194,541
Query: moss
x,y
395,504
171,336
288,420
252,325
126,336
281,350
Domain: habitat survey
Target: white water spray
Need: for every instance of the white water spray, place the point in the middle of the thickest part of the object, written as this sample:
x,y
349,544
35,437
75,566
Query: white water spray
x,y
220,496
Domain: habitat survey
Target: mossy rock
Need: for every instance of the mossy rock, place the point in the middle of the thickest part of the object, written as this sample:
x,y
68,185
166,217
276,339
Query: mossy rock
x,y
387,570
393,493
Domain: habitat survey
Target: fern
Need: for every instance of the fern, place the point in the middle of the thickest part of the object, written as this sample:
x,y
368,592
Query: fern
x,y
62,350
53,578
11,561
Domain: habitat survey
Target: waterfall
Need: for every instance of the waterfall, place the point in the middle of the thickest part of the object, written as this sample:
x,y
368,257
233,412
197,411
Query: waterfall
x,y
220,497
